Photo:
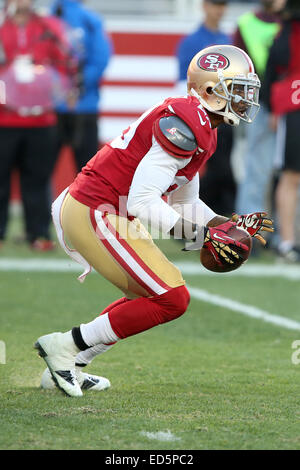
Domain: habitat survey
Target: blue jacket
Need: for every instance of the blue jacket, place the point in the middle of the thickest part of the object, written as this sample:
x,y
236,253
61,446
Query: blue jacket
x,y
92,49
190,45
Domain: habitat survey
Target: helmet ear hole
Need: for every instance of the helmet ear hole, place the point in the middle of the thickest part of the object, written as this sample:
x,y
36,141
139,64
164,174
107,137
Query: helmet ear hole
x,y
209,90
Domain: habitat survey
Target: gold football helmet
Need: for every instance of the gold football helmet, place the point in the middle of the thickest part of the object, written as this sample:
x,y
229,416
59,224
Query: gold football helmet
x,y
223,79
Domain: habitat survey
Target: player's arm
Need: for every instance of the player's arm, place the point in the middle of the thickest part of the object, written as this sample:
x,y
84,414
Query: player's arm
x,y
172,149
186,202
170,152
187,199
153,176
210,229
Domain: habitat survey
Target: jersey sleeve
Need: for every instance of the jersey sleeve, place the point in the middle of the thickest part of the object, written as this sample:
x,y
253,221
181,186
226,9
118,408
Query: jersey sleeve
x,y
174,136
153,176
195,117
187,203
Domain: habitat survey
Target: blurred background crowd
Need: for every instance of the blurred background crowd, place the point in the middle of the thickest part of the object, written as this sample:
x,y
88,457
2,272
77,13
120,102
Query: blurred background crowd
x,y
74,74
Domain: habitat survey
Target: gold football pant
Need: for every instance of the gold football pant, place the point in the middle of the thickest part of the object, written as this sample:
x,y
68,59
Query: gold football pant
x,y
122,251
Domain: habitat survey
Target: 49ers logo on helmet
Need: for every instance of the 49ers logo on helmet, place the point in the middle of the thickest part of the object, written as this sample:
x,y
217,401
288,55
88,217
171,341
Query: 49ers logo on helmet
x,y
213,62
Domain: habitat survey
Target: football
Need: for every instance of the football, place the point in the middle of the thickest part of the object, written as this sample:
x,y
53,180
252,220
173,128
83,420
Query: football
x,y
209,262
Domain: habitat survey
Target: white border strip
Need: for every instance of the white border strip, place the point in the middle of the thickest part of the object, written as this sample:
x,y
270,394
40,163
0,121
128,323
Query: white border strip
x,y
244,309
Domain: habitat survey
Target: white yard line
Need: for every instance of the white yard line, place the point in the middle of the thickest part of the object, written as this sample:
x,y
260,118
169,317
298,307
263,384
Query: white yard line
x,y
38,265
160,436
244,309
188,268
290,272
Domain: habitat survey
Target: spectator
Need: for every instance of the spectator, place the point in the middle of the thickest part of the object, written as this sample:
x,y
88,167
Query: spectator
x,y
217,188
33,56
78,124
255,34
282,94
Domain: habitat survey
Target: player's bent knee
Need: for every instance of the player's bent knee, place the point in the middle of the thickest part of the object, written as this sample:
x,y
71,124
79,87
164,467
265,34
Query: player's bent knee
x,y
182,299
175,303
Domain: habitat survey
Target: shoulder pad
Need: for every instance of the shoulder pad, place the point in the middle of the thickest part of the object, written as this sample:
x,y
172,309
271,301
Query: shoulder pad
x,y
178,133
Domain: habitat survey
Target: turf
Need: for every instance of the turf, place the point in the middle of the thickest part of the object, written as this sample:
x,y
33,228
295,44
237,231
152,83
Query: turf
x,y
214,379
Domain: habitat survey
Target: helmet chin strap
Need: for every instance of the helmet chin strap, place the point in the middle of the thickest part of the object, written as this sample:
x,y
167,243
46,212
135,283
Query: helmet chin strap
x,y
229,118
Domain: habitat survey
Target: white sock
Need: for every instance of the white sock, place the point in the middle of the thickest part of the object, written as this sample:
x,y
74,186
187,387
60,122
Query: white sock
x,y
98,331
85,357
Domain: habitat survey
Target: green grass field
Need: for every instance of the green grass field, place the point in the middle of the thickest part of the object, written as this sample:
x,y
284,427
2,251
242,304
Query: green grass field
x,y
213,379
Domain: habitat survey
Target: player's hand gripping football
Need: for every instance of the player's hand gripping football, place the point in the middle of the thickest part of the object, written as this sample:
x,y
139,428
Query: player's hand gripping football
x,y
221,245
254,223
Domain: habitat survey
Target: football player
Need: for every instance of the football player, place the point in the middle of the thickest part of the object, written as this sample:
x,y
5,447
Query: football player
x,y
104,213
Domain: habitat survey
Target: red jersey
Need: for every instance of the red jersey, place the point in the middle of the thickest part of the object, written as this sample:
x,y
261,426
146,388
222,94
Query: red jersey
x,y
41,39
109,174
